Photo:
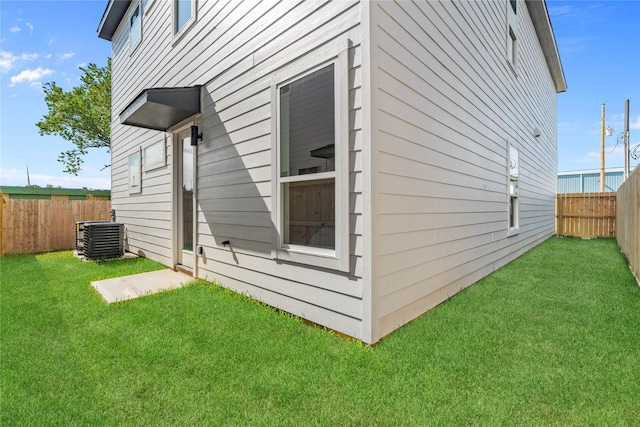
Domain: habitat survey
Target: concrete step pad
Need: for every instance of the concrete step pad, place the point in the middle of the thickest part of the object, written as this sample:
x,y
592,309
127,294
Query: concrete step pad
x,y
137,285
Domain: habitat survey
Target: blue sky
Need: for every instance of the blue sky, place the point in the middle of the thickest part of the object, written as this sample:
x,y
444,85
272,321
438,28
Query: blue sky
x,y
599,44
44,41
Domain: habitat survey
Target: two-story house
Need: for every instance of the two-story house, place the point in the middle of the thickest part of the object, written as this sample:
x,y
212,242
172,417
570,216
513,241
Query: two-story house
x,y
352,162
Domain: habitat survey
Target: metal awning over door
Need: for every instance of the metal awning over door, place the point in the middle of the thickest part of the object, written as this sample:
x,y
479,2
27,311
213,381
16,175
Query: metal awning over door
x,y
162,108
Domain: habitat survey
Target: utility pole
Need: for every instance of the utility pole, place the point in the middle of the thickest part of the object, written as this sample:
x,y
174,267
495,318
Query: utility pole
x,y
602,153
626,139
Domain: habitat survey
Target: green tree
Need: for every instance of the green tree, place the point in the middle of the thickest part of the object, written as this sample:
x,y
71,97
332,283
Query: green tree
x,y
81,115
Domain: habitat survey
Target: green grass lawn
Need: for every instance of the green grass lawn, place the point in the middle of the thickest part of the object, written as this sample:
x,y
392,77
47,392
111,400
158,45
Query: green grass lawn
x,y
551,339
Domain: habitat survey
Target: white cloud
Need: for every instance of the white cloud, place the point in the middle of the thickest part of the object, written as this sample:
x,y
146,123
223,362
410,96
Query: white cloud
x,y
48,56
66,56
30,26
13,177
558,11
634,124
29,56
14,29
7,59
31,77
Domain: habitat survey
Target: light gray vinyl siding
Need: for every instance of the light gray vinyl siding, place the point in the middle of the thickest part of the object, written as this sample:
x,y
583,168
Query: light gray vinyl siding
x,y
447,107
433,105
234,178
237,51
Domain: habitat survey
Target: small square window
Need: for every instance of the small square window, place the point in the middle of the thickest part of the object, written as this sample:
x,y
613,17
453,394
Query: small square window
x,y
155,155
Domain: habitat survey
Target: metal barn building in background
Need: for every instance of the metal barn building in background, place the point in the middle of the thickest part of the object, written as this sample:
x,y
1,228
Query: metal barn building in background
x,y
588,181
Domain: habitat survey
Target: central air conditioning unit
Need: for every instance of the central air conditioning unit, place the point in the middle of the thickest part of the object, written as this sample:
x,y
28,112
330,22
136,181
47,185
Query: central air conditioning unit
x,y
99,239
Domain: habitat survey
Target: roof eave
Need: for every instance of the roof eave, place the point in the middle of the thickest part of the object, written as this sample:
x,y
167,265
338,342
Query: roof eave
x,y
111,18
542,24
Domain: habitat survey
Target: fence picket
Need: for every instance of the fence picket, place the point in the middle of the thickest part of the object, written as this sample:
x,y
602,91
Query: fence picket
x,y
32,225
628,220
586,214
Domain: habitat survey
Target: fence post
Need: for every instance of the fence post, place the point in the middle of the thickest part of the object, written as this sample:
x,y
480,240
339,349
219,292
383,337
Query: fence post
x,y
559,215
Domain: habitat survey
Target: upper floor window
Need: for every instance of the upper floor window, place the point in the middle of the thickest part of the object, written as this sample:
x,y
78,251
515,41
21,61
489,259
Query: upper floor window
x,y
512,44
135,27
184,12
512,34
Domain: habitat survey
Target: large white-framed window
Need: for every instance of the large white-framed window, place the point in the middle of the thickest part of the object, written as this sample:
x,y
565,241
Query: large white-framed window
x,y
514,190
135,27
184,16
311,203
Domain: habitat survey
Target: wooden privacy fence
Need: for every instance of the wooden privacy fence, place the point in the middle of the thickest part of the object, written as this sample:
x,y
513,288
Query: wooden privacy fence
x,y
586,214
30,225
628,220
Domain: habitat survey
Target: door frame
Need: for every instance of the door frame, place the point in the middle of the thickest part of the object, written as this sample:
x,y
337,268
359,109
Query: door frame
x,y
176,199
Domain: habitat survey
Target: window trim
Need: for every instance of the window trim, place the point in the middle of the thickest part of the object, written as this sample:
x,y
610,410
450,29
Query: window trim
x,y
146,5
511,35
515,229
512,53
136,167
178,33
338,258
138,7
155,155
